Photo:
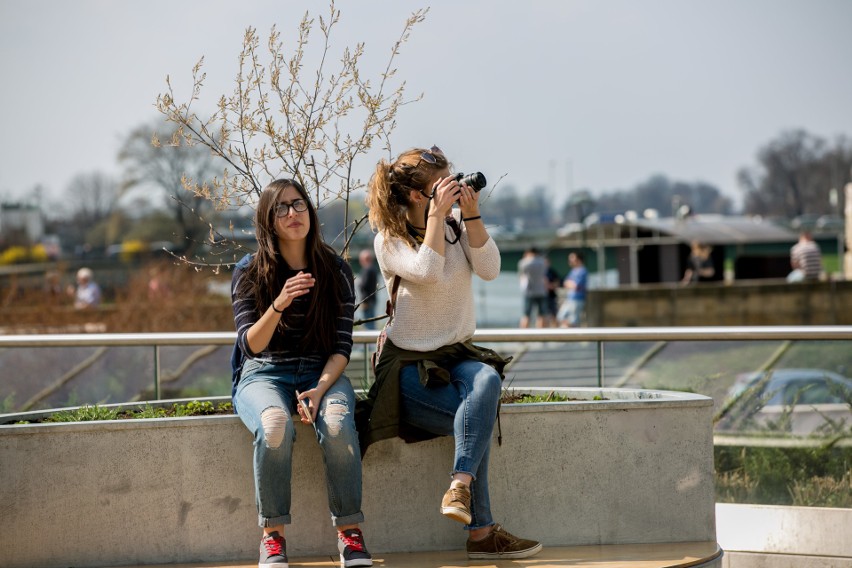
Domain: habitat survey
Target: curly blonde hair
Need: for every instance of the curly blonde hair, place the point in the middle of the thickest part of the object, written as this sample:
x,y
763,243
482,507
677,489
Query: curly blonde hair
x,y
388,195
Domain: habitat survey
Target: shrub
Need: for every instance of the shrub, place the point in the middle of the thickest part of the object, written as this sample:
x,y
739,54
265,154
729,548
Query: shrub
x,y
784,476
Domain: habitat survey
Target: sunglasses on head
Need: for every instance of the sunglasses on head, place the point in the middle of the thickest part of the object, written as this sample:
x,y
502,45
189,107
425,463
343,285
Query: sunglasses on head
x,y
430,155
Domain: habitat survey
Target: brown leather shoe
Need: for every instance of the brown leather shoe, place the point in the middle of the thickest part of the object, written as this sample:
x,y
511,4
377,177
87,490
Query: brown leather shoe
x,y
501,544
456,503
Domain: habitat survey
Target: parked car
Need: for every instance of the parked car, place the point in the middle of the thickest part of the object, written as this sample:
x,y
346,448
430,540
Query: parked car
x,y
796,401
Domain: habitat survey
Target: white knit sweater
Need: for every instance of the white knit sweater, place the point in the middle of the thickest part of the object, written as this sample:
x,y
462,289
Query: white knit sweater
x,y
434,303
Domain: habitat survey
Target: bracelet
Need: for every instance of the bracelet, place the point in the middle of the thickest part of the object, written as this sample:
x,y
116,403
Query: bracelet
x,y
274,310
471,218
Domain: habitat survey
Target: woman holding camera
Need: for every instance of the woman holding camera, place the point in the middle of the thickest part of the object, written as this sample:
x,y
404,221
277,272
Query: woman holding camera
x,y
431,380
293,309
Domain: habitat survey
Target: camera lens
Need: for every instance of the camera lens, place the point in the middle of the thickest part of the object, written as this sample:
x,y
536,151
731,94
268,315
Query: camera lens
x,y
476,181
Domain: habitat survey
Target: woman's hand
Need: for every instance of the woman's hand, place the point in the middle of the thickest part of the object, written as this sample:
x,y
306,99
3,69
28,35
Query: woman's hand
x,y
298,285
468,201
312,398
444,194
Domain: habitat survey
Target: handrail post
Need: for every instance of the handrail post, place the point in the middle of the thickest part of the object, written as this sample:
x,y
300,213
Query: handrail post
x,y
156,372
366,363
600,363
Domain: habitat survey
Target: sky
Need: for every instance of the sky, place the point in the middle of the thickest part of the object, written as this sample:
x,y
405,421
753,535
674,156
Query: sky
x,y
568,94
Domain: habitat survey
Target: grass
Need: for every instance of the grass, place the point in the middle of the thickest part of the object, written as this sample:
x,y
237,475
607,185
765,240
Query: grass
x,y
811,477
92,412
514,397
85,413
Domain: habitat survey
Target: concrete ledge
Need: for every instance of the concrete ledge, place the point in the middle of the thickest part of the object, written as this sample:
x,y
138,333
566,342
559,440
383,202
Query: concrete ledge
x,y
776,530
673,555
756,560
634,469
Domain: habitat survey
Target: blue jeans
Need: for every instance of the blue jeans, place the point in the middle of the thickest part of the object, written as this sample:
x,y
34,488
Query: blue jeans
x,y
572,312
465,409
266,385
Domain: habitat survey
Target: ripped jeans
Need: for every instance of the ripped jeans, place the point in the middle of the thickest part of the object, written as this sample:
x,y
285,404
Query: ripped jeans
x,y
267,386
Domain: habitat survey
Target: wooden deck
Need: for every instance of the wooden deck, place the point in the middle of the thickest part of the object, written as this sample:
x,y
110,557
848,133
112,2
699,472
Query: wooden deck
x,y
676,555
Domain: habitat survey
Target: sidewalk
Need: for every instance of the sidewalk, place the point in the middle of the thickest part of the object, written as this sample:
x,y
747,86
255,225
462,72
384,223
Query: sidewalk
x,y
610,556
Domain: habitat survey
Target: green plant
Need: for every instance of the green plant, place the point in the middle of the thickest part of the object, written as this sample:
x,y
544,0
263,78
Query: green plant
x,y
89,413
734,487
782,476
85,413
149,412
510,396
194,408
823,492
7,405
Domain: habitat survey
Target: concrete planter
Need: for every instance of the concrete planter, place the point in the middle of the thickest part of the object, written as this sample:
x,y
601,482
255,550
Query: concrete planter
x,y
636,468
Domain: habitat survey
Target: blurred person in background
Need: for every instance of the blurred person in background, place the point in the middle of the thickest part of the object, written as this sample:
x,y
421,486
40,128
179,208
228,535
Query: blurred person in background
x,y
573,309
532,272
700,266
554,283
87,295
366,284
805,259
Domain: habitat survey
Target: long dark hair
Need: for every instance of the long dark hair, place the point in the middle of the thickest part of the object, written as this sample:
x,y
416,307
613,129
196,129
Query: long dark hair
x,y
265,273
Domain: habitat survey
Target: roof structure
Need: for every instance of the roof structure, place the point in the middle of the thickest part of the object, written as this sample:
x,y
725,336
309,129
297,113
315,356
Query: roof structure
x,y
719,229
714,230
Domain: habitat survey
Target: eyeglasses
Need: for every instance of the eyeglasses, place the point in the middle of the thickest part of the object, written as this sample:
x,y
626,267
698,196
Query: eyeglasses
x,y
430,155
283,209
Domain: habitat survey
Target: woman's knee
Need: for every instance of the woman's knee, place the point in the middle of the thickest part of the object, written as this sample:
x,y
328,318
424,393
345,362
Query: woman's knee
x,y
275,425
337,413
487,383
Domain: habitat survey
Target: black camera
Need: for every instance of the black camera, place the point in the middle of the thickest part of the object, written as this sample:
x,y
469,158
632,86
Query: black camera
x,y
475,181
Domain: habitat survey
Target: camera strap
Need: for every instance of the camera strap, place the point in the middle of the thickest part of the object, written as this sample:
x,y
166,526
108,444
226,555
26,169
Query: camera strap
x,y
454,225
451,221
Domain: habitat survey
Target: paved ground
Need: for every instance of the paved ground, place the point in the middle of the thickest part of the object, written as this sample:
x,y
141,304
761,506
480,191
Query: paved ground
x,y
612,556
571,364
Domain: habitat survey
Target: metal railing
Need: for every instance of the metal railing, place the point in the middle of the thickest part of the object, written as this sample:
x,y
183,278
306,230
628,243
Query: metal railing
x,y
366,339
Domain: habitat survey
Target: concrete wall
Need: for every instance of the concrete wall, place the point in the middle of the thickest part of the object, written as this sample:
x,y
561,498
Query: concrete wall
x,y
719,304
758,536
637,468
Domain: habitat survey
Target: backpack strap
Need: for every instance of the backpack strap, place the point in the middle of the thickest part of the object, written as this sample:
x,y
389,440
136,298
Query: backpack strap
x,y
237,356
391,304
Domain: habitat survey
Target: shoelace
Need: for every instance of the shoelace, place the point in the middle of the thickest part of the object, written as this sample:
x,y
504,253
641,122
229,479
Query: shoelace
x,y
353,540
502,539
460,495
274,545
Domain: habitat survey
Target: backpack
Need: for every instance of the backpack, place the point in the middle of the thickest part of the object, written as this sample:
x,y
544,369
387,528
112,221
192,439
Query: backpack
x,y
238,358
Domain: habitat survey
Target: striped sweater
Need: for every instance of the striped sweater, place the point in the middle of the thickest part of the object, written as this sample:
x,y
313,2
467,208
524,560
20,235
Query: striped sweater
x,y
284,345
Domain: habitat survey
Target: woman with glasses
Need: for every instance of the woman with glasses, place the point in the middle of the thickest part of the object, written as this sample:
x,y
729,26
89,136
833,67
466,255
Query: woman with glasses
x,y
431,380
293,310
